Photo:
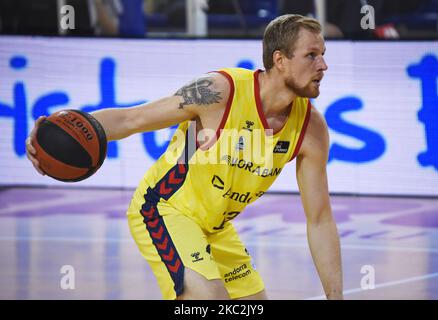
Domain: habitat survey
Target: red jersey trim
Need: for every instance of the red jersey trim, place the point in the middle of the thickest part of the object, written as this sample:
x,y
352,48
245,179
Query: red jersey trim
x,y
258,100
225,115
303,130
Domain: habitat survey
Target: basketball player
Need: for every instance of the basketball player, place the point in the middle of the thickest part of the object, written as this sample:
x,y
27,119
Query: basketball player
x,y
180,215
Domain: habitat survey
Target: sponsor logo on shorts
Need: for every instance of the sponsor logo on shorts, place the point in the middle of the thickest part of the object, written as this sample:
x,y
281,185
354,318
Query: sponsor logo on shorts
x,y
238,273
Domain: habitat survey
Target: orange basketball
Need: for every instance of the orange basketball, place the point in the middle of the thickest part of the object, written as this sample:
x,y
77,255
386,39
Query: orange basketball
x,y
70,145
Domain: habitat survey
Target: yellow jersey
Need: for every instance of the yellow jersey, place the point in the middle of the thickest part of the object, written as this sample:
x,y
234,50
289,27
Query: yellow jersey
x,y
212,183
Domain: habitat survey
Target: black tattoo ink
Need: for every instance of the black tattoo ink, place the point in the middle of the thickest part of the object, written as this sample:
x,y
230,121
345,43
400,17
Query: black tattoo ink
x,y
198,92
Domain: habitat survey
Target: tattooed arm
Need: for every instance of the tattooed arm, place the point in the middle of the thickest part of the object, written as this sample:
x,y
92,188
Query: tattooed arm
x,y
200,97
203,97
200,92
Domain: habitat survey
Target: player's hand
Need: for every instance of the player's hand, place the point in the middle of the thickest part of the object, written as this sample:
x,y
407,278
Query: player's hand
x,y
30,150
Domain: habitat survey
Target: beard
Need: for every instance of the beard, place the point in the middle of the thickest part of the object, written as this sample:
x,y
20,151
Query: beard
x,y
307,91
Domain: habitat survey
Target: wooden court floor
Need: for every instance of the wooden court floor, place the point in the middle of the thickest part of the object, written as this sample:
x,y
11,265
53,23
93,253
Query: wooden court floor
x,y
393,241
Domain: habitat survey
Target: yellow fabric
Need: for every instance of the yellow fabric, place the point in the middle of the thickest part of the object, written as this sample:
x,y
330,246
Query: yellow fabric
x,y
193,192
219,255
247,178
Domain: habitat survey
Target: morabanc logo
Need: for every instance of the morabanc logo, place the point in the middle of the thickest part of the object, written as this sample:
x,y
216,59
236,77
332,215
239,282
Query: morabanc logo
x,y
251,167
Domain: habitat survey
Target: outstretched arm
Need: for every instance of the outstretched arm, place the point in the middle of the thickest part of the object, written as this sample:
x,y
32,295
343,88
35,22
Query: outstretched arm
x,y
322,233
188,103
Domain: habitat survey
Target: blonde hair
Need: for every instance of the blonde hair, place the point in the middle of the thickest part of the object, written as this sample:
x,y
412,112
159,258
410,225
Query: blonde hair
x,y
282,34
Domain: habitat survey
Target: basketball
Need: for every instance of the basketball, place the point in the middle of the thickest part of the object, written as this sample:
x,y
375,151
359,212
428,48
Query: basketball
x,y
70,145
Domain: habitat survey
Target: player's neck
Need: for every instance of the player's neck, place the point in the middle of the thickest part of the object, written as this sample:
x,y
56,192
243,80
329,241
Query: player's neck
x,y
276,97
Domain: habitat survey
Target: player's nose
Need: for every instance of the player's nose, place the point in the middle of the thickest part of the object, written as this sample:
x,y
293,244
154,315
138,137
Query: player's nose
x,y
323,65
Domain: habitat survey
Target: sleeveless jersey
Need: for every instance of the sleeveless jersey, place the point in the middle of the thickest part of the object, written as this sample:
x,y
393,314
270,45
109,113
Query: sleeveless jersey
x,y
213,183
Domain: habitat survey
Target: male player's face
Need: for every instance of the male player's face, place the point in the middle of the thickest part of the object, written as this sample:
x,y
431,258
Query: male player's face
x,y
305,69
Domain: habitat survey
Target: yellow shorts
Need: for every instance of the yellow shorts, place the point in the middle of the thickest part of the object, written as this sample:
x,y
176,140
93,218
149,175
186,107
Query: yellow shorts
x,y
171,241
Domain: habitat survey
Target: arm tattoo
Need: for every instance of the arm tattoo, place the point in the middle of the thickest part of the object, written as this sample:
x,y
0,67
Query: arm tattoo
x,y
198,92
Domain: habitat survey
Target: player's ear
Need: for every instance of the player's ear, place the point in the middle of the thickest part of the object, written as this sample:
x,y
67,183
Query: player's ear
x,y
279,59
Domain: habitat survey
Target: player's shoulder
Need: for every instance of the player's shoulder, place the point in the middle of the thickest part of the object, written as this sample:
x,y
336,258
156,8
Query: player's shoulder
x,y
210,90
211,81
218,81
229,78
316,138
238,73
221,79
317,121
